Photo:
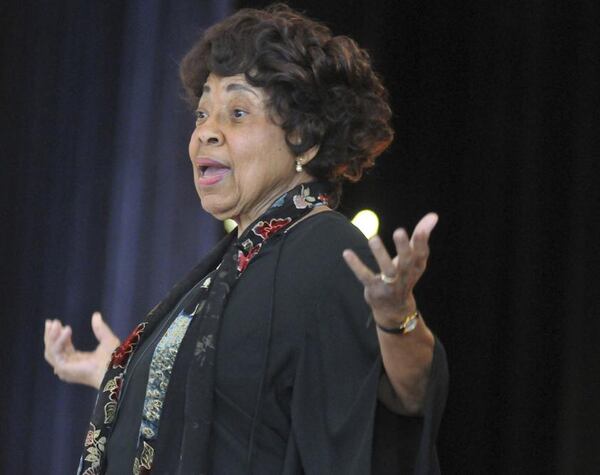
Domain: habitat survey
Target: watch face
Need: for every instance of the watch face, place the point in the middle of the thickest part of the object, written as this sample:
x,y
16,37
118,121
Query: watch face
x,y
411,325
408,324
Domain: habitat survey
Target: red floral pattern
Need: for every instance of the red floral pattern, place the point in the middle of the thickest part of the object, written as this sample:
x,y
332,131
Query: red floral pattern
x,y
324,198
265,229
245,258
121,355
281,214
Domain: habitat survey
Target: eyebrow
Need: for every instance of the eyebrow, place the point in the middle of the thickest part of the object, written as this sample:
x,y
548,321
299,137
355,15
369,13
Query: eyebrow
x,y
234,86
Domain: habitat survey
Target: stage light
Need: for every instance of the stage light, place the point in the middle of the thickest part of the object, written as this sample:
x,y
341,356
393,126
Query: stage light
x,y
229,225
367,221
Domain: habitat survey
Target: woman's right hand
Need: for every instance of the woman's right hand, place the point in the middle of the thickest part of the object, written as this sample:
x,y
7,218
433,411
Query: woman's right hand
x,y
72,365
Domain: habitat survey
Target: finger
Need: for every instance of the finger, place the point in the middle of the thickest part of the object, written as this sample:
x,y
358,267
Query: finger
x,y
53,331
420,247
361,271
403,259
425,226
420,239
384,261
62,344
105,336
101,330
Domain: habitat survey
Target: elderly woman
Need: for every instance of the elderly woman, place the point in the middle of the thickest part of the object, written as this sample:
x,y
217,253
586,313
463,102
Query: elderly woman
x,y
295,346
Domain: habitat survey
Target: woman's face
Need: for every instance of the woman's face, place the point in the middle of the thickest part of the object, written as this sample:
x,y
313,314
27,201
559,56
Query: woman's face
x,y
240,157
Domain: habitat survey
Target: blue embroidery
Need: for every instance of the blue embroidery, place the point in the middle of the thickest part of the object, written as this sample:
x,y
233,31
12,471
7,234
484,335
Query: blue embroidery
x,y
278,202
160,374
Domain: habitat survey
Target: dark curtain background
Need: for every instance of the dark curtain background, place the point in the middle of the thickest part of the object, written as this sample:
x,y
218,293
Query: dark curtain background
x,y
497,109
99,208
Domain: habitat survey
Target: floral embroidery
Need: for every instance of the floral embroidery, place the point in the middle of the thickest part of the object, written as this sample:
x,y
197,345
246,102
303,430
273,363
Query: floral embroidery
x,y
279,202
265,229
304,199
113,388
234,262
159,375
245,258
246,245
89,438
110,411
300,202
202,346
94,447
121,355
144,463
323,198
92,471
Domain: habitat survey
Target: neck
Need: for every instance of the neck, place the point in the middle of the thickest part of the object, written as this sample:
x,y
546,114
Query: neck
x,y
244,220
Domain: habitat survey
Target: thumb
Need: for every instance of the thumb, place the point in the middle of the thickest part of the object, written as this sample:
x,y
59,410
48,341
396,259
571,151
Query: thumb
x,y
102,331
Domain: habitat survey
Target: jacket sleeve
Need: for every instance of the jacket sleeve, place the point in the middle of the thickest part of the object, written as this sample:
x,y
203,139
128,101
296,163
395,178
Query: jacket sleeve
x,y
335,388
338,424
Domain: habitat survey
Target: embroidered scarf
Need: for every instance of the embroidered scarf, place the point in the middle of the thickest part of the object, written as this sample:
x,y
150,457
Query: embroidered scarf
x,y
199,378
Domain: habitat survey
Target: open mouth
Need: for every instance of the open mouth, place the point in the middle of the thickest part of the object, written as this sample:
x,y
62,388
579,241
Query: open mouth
x,y
212,170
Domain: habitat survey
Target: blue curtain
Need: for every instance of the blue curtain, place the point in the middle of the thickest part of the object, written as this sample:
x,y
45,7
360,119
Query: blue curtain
x,y
100,208
496,115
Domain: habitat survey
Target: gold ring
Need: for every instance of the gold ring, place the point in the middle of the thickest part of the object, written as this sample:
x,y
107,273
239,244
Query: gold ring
x,y
386,279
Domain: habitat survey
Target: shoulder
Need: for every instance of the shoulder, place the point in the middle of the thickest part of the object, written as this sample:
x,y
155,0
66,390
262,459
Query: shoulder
x,y
313,276
325,232
315,246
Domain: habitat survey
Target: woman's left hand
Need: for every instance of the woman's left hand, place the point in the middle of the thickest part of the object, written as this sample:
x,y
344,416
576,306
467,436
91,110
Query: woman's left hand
x,y
390,292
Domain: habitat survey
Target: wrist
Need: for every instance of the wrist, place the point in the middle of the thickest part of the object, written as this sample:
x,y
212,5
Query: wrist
x,y
396,316
98,376
406,325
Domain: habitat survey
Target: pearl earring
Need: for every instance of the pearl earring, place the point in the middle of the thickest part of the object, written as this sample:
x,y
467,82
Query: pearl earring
x,y
298,166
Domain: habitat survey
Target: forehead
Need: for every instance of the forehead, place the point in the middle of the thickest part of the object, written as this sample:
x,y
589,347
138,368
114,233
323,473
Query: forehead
x,y
230,84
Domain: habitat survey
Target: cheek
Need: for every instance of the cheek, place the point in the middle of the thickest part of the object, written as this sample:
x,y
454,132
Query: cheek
x,y
261,159
193,145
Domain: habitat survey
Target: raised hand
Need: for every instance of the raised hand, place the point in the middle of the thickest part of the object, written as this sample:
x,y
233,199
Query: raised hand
x,y
390,292
72,365
406,357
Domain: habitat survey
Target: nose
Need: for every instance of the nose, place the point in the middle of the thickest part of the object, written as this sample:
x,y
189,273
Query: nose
x,y
209,134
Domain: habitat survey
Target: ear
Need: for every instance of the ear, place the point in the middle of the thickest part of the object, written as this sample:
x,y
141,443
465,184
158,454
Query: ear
x,y
308,155
304,158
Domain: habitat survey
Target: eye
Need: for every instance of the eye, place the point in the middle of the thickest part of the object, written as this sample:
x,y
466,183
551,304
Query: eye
x,y
238,113
200,116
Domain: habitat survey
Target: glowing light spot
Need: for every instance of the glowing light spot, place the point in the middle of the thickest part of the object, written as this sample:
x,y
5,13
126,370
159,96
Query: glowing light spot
x,y
229,225
367,221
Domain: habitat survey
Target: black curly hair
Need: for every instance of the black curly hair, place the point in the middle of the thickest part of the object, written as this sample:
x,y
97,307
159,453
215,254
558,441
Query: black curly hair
x,y
321,87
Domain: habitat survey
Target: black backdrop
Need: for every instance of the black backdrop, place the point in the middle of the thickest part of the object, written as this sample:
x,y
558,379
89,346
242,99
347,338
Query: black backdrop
x,y
497,110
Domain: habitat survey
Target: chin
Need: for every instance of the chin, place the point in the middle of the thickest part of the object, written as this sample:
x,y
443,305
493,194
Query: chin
x,y
218,212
